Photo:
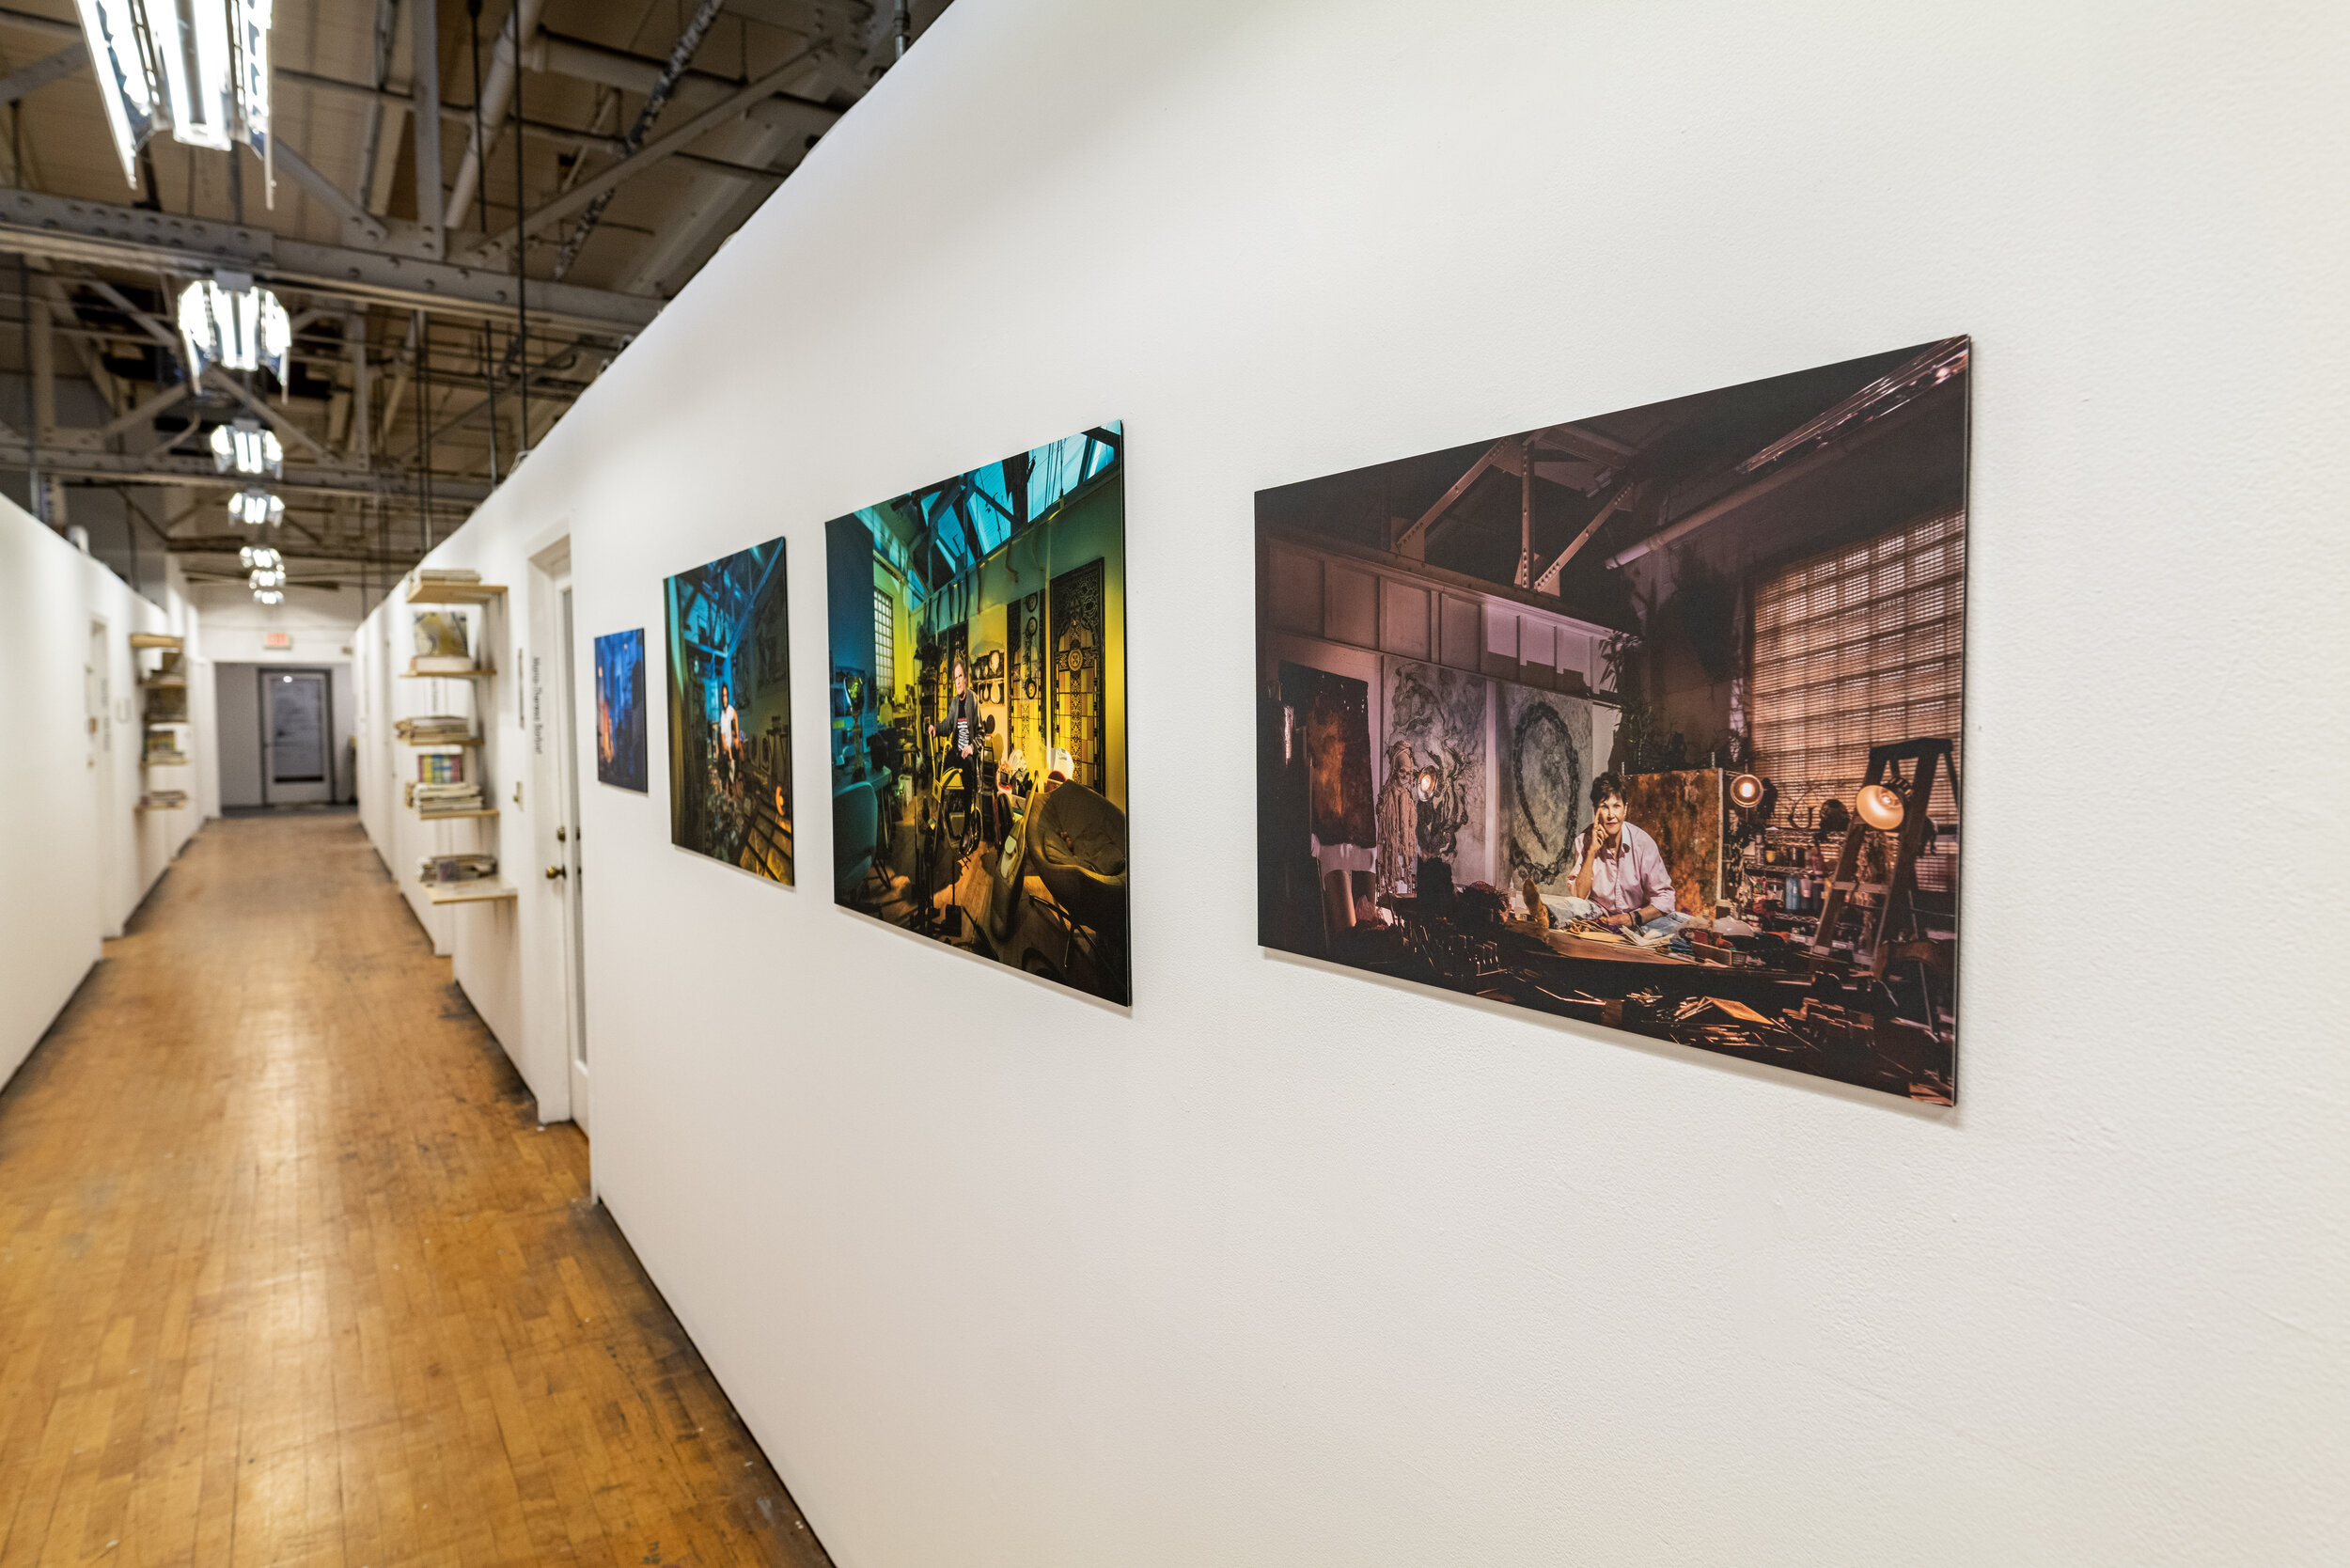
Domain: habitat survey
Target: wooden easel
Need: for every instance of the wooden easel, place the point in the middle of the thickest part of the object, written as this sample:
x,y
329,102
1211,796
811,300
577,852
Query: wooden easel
x,y
1928,757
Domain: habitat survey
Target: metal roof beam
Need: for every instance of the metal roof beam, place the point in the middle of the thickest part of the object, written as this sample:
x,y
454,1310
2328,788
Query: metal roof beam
x,y
31,78
34,223
589,191
171,468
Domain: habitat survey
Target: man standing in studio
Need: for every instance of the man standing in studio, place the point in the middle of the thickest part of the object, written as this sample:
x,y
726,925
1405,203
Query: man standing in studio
x,y
729,738
961,729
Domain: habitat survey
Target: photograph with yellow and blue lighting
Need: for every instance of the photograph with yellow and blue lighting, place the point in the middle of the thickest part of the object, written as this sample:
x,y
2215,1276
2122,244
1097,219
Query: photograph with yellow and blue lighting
x,y
977,704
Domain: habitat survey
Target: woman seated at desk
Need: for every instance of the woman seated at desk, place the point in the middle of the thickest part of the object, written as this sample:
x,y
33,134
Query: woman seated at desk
x,y
1618,868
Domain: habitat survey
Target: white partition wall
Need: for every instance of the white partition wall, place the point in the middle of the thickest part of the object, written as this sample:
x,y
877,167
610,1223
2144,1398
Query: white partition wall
x,y
77,853
1284,1267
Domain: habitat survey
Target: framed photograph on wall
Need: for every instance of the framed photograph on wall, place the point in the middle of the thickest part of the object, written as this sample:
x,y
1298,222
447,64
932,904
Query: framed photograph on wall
x,y
731,712
979,743
1649,719
621,759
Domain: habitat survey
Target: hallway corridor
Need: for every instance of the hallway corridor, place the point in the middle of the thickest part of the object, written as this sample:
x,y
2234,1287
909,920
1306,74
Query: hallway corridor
x,y
290,1273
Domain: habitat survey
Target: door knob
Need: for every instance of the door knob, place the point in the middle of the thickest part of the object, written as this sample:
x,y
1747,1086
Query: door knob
x,y
554,871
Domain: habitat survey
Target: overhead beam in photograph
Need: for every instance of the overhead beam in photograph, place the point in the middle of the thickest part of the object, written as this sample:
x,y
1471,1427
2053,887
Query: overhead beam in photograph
x,y
100,234
1868,435
1588,444
1412,541
581,195
1546,580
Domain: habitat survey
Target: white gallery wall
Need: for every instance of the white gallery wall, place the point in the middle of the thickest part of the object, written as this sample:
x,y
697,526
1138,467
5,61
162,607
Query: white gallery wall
x,y
76,853
1285,1266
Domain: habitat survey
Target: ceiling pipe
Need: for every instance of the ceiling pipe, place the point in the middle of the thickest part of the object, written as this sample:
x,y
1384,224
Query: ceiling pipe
x,y
497,93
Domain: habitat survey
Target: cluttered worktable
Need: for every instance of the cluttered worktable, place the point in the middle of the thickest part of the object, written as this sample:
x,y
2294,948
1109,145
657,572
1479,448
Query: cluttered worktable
x,y
1760,995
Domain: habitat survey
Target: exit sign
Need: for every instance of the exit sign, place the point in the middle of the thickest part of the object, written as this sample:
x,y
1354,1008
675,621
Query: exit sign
x,y
278,642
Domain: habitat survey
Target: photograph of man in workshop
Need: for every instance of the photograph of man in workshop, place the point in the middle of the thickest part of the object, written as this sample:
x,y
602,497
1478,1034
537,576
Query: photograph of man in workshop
x,y
729,656
978,711
959,726
1647,720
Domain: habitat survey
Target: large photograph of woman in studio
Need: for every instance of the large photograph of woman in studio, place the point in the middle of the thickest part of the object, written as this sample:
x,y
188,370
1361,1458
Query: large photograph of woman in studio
x,y
1647,719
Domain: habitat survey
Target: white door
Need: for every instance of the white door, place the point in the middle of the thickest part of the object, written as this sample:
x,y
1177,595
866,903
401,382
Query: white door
x,y
297,730
568,855
98,704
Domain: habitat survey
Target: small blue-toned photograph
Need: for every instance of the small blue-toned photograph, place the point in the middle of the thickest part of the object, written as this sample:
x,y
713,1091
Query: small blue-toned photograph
x,y
621,756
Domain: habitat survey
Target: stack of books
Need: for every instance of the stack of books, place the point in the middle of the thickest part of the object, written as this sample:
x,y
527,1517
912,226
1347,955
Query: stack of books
x,y
435,729
457,868
163,800
442,664
446,800
440,767
447,574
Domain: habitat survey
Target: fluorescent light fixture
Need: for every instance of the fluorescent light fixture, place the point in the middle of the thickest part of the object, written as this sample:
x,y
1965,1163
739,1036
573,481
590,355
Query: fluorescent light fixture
x,y
112,29
255,507
199,66
268,576
248,449
252,38
260,556
231,322
270,596
193,46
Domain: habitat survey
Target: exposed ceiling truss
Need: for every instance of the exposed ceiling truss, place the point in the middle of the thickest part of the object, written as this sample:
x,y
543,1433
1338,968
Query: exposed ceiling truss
x,y
588,157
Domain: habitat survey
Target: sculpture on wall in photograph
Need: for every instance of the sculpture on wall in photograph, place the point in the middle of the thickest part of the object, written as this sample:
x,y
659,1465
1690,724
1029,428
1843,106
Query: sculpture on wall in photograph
x,y
1631,670
1441,713
731,712
978,711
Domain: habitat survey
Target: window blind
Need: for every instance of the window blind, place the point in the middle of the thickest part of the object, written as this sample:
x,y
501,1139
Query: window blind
x,y
885,644
1856,648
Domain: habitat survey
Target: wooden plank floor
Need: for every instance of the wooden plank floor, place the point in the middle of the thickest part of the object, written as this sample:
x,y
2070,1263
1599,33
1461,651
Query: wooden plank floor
x,y
290,1273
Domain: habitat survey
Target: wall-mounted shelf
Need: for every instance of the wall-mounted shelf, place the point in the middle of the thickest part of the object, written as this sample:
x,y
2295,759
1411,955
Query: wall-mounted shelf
x,y
452,816
159,683
163,805
447,674
167,759
154,639
431,592
481,890
463,742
